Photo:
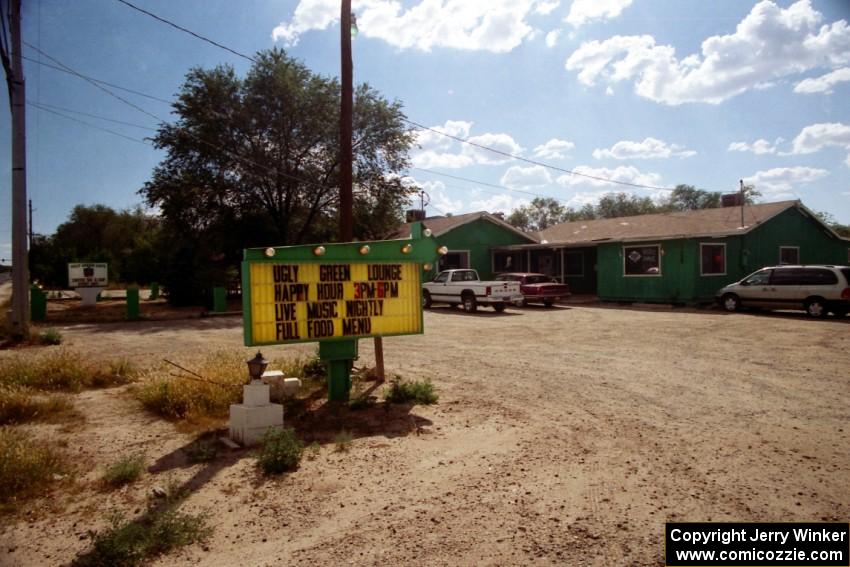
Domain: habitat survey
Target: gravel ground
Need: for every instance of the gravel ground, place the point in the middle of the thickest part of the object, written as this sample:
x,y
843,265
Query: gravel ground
x,y
564,436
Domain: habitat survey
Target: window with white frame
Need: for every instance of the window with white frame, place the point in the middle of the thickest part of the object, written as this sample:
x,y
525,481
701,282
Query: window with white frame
x,y
642,260
789,255
712,259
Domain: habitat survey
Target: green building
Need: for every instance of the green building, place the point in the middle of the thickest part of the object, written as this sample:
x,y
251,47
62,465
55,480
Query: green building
x,y
674,257
470,239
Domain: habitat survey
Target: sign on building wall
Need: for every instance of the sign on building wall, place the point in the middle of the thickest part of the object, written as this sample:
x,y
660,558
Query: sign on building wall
x,y
335,291
87,275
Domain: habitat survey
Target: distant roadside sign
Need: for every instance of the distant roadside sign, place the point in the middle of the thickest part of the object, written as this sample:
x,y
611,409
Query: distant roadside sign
x,y
87,274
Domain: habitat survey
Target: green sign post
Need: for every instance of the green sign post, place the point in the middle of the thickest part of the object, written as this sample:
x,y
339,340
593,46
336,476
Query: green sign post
x,y
335,294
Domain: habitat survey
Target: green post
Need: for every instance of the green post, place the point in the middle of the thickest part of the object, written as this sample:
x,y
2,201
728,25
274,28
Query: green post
x,y
38,304
219,300
154,291
132,303
339,356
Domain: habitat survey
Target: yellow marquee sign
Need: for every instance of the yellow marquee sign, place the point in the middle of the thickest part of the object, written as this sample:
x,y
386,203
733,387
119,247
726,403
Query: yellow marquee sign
x,y
313,301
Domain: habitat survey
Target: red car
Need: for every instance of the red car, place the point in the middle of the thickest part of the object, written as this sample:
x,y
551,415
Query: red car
x,y
537,288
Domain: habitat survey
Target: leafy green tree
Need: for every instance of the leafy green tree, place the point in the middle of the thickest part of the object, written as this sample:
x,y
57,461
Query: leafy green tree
x,y
255,162
541,213
689,198
624,205
127,240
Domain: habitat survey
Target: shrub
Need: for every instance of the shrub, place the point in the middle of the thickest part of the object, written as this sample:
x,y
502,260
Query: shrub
x,y
63,371
50,337
281,451
26,466
20,405
135,542
414,391
189,398
125,470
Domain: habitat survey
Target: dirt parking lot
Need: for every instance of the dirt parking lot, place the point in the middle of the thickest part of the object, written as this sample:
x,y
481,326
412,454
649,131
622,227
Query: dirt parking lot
x,y
563,436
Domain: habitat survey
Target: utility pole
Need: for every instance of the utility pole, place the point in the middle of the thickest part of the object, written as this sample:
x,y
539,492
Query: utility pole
x,y
29,224
20,265
346,198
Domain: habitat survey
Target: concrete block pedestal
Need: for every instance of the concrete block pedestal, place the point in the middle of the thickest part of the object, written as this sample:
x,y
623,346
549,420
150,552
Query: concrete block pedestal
x,y
88,295
250,420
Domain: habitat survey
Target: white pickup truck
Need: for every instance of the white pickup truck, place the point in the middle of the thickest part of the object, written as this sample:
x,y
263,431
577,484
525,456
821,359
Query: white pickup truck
x,y
462,287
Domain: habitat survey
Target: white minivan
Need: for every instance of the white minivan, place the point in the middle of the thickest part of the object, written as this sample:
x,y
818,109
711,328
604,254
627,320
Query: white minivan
x,y
815,289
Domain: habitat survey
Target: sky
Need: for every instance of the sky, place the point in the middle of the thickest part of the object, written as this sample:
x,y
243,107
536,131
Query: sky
x,y
646,92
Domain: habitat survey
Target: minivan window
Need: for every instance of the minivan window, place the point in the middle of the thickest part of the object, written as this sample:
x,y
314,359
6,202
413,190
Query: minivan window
x,y
758,278
819,276
793,276
846,272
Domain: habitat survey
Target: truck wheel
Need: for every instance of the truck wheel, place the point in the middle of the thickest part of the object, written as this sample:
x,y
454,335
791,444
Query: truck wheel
x,y
426,299
548,302
499,307
469,303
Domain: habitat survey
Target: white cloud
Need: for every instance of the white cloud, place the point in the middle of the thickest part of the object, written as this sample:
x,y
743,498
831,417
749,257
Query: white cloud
x,y
784,179
553,149
818,136
518,177
759,147
583,11
437,150
552,38
824,83
769,43
609,91
491,25
598,177
647,149
503,203
545,7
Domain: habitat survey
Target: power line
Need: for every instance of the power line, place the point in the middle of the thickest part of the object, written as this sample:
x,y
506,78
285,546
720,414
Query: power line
x,y
81,113
43,109
114,86
502,188
225,151
185,30
416,124
534,162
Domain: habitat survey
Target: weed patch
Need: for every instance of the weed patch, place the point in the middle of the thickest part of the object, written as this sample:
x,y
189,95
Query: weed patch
x,y
125,470
50,337
133,543
63,371
281,451
22,405
27,466
412,392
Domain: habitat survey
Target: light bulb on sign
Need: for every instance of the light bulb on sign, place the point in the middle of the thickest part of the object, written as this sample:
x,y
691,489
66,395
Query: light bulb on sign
x,y
319,250
269,252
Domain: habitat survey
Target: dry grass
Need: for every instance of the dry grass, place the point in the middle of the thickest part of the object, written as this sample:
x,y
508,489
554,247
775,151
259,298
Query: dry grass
x,y
27,467
168,392
21,405
64,371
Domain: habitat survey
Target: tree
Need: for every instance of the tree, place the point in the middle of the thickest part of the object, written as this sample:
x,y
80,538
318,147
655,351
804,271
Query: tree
x,y
689,198
126,240
254,162
624,205
540,214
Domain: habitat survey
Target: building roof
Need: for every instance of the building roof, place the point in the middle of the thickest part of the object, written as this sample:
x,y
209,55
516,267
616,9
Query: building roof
x,y
724,221
442,225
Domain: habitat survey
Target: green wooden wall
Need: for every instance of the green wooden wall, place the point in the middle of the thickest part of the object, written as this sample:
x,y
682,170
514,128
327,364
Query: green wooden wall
x,y
680,279
478,237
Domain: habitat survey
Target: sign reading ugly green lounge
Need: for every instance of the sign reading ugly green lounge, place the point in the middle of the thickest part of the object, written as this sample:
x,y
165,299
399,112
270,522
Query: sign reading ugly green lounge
x,y
335,294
